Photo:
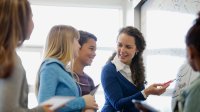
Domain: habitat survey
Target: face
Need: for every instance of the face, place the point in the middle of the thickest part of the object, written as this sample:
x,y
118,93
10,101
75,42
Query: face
x,y
30,27
87,52
76,47
126,48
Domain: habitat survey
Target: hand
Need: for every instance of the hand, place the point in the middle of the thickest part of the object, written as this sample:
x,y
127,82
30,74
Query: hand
x,y
88,110
46,108
156,89
90,102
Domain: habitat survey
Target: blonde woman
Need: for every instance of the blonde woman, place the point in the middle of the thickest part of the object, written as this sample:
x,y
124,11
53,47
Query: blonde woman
x,y
53,77
16,26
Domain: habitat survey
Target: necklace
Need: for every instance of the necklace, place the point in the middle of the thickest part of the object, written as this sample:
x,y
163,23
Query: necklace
x,y
76,77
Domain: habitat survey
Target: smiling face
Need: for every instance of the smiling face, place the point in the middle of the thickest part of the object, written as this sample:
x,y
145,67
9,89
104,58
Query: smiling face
x,y
126,48
87,52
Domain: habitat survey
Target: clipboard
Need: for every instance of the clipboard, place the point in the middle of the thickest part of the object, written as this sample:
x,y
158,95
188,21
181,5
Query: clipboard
x,y
93,92
57,102
145,105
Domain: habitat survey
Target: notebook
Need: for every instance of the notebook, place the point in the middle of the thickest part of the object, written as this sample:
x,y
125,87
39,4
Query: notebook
x,y
145,105
57,101
94,90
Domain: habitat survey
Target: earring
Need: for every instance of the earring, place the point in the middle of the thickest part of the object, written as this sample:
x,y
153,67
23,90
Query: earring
x,y
136,52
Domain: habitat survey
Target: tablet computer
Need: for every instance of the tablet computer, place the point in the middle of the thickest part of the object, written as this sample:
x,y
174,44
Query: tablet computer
x,y
144,105
94,90
57,101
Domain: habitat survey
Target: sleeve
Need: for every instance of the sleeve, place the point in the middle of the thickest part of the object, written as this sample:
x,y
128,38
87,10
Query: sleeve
x,y
48,82
114,92
24,99
75,105
192,102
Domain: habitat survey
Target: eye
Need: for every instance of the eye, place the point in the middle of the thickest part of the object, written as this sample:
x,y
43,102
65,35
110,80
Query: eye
x,y
92,48
119,45
129,47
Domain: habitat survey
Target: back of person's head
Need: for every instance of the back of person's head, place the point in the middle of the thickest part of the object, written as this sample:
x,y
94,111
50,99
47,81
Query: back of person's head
x,y
59,43
85,36
193,35
193,43
14,23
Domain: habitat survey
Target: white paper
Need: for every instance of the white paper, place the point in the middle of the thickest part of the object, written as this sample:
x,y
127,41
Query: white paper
x,y
145,105
57,101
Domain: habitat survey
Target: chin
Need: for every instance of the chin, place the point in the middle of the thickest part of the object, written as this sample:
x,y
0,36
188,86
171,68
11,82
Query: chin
x,y
123,61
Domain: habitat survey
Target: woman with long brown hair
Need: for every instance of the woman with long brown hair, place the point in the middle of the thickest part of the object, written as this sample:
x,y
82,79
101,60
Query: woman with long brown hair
x,y
16,25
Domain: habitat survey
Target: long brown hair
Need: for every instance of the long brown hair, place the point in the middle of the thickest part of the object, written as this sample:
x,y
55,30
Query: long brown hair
x,y
137,65
14,21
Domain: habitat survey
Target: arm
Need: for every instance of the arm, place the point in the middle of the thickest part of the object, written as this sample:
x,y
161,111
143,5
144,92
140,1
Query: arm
x,y
24,99
48,83
114,92
49,80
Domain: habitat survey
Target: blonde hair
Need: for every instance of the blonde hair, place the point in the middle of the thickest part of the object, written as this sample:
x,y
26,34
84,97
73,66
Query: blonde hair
x,y
14,21
59,45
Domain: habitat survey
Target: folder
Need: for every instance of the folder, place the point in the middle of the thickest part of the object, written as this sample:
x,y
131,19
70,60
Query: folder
x,y
57,101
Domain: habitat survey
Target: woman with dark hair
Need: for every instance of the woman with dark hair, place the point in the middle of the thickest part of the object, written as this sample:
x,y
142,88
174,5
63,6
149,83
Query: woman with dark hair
x,y
189,100
87,53
16,25
123,76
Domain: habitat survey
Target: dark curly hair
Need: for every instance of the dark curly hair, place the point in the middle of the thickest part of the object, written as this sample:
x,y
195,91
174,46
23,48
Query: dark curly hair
x,y
137,65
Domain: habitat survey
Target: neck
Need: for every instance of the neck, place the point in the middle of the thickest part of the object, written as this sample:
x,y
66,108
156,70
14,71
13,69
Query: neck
x,y
78,68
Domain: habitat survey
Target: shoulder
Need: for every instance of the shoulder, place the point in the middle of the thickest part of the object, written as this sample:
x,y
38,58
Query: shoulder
x,y
109,66
52,64
194,88
109,71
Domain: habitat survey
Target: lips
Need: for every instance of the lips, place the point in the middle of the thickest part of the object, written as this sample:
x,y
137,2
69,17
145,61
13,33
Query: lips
x,y
123,56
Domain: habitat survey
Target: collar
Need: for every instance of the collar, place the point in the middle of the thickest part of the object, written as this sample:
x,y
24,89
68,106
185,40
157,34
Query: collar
x,y
121,66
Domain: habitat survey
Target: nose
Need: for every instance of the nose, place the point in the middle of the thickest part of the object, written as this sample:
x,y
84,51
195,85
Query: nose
x,y
122,49
79,46
94,54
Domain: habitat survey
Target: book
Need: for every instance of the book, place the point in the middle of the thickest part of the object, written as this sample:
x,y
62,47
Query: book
x,y
145,106
57,102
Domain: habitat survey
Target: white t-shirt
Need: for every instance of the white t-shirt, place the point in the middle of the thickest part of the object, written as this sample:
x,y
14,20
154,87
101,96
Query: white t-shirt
x,y
184,78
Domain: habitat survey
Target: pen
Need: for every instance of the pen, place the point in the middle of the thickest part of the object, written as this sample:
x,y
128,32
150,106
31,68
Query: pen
x,y
168,82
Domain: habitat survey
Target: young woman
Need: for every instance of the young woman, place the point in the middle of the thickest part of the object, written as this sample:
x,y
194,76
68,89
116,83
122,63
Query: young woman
x,y
54,79
123,76
16,25
86,55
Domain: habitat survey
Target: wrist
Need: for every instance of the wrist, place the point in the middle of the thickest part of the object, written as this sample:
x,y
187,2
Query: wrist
x,y
146,92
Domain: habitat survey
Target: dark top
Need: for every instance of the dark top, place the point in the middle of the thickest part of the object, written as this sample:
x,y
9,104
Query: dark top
x,y
119,92
86,83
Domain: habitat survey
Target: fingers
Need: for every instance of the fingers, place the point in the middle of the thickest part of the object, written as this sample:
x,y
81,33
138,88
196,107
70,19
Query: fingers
x,y
157,84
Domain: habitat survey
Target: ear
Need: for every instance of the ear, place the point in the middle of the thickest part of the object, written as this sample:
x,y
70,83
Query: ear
x,y
190,53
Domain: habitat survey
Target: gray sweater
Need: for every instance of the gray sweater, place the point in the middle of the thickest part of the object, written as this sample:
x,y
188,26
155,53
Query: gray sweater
x,y
14,91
